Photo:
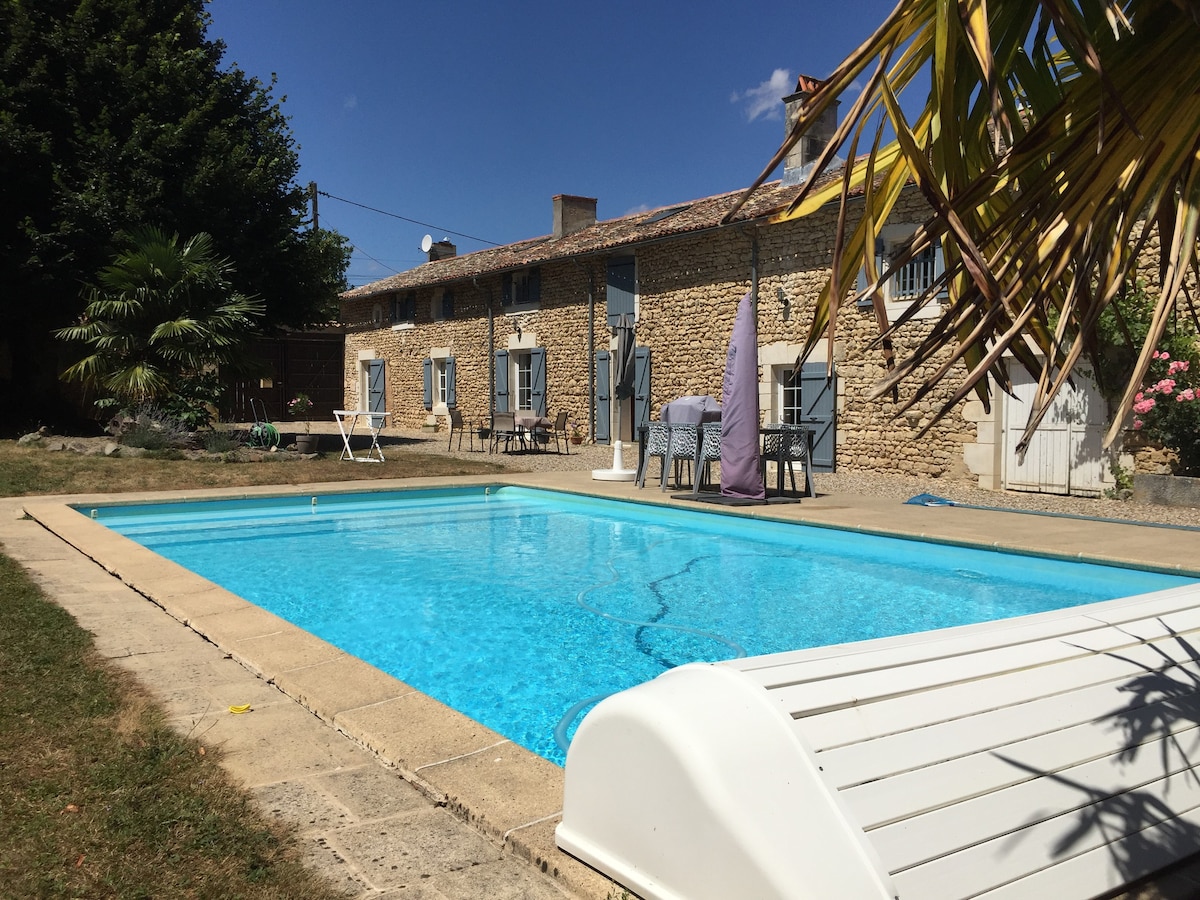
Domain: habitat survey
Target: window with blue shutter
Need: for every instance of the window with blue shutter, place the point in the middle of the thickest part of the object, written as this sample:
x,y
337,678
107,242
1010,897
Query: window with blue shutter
x,y
620,289
521,289
451,378
641,388
427,381
404,308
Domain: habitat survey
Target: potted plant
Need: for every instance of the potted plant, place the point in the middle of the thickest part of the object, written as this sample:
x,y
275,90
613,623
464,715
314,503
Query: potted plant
x,y
300,407
577,433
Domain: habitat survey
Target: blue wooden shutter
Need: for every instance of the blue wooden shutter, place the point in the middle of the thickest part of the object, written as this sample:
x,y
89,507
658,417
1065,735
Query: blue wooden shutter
x,y
376,386
501,381
451,379
817,396
620,289
603,398
537,366
641,387
427,376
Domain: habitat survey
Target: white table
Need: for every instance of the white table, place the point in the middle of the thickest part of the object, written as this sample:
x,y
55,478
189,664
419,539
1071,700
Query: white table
x,y
347,421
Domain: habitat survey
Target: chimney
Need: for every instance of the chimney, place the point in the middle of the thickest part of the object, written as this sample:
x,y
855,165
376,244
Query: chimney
x,y
572,214
798,164
443,249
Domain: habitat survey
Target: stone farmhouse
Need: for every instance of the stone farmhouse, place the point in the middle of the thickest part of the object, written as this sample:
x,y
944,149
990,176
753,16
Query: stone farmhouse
x,y
530,326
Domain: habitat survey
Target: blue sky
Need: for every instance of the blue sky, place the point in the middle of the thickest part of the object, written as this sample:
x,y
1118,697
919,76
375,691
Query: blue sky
x,y
468,117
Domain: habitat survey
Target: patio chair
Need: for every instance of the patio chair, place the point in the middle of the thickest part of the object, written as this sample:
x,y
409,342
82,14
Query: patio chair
x,y
658,437
707,452
787,445
559,427
504,428
457,425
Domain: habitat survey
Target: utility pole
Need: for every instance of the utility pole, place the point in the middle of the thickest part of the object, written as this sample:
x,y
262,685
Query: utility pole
x,y
312,194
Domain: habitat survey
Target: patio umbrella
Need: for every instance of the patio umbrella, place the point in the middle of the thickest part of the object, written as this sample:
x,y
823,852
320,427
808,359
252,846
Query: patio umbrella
x,y
740,475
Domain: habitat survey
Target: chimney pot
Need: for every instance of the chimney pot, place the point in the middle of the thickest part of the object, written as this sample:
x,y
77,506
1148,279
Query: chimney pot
x,y
443,249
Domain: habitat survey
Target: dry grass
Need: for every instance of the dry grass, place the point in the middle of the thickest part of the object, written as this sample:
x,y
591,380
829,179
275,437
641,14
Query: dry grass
x,y
30,469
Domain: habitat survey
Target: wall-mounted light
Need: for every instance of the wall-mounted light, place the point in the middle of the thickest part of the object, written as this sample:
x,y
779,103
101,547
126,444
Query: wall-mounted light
x,y
785,303
518,332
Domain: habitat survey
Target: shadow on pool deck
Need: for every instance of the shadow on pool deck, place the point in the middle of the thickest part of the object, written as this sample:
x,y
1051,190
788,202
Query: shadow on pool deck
x,y
473,814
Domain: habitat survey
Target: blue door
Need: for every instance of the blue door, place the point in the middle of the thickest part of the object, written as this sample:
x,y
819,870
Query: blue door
x,y
817,396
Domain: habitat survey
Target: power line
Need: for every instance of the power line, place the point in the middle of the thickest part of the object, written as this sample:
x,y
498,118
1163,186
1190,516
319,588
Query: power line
x,y
384,212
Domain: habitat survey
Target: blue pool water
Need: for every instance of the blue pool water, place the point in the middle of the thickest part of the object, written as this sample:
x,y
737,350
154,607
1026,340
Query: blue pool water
x,y
521,608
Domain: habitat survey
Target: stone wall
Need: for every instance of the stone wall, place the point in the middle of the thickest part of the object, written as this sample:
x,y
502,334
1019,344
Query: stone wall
x,y
688,291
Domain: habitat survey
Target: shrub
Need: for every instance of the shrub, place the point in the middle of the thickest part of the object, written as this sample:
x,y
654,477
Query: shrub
x,y
150,428
1167,409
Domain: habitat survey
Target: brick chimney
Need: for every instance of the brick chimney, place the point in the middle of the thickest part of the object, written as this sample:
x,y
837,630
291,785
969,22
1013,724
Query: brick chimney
x,y
572,214
443,249
797,165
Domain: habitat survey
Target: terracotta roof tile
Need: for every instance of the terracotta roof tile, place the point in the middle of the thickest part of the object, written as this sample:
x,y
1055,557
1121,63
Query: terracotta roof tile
x,y
602,237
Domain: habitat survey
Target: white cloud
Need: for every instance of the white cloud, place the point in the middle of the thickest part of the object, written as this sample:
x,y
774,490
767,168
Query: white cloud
x,y
766,100
350,102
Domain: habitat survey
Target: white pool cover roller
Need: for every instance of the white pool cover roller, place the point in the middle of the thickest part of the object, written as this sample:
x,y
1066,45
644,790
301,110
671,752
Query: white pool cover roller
x,y
695,785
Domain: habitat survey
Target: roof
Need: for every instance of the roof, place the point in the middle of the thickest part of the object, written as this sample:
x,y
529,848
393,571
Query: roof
x,y
629,231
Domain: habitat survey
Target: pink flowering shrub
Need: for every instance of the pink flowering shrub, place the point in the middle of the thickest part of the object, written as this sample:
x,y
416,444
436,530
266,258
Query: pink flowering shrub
x,y
1167,409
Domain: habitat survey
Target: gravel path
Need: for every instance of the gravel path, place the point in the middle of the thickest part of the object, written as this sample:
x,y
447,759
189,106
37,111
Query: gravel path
x,y
587,457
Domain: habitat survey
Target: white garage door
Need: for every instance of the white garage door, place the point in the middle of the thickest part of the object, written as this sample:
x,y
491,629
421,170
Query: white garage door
x,y
1064,455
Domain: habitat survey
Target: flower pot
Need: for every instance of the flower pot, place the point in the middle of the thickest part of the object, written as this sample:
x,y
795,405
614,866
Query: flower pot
x,y
575,439
307,443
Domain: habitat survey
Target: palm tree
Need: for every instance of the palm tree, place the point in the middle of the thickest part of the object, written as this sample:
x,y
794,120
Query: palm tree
x,y
1058,141
162,316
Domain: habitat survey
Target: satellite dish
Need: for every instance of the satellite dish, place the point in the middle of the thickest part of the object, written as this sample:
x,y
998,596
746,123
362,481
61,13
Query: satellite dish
x,y
426,243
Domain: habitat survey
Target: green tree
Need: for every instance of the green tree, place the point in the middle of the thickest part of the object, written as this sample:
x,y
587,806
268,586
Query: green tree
x,y
116,115
1058,140
161,318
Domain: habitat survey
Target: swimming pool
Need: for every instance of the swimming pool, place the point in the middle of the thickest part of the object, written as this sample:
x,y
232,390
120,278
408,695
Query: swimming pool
x,y
520,607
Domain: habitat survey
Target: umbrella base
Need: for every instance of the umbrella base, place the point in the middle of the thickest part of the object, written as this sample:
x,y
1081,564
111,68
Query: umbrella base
x,y
618,472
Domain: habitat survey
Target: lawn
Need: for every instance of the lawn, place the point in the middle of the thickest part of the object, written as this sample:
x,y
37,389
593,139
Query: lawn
x,y
99,797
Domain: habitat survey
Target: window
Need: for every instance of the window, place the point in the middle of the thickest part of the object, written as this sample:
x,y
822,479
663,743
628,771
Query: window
x,y
442,305
438,381
404,308
787,385
521,290
524,392
910,281
915,277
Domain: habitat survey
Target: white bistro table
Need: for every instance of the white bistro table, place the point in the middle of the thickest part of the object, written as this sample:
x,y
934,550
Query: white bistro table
x,y
347,421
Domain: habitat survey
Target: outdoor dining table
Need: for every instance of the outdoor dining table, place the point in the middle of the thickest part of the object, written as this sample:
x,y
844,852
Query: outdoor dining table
x,y
529,422
347,420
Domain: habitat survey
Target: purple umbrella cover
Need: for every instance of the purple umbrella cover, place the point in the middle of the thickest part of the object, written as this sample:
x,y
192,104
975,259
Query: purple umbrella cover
x,y
740,475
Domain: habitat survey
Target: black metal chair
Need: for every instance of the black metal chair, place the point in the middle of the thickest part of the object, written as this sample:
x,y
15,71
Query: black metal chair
x,y
458,425
504,428
559,427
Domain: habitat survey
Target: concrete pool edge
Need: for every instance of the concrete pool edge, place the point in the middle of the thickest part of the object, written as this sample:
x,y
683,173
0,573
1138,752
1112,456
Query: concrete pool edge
x,y
509,794
506,792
